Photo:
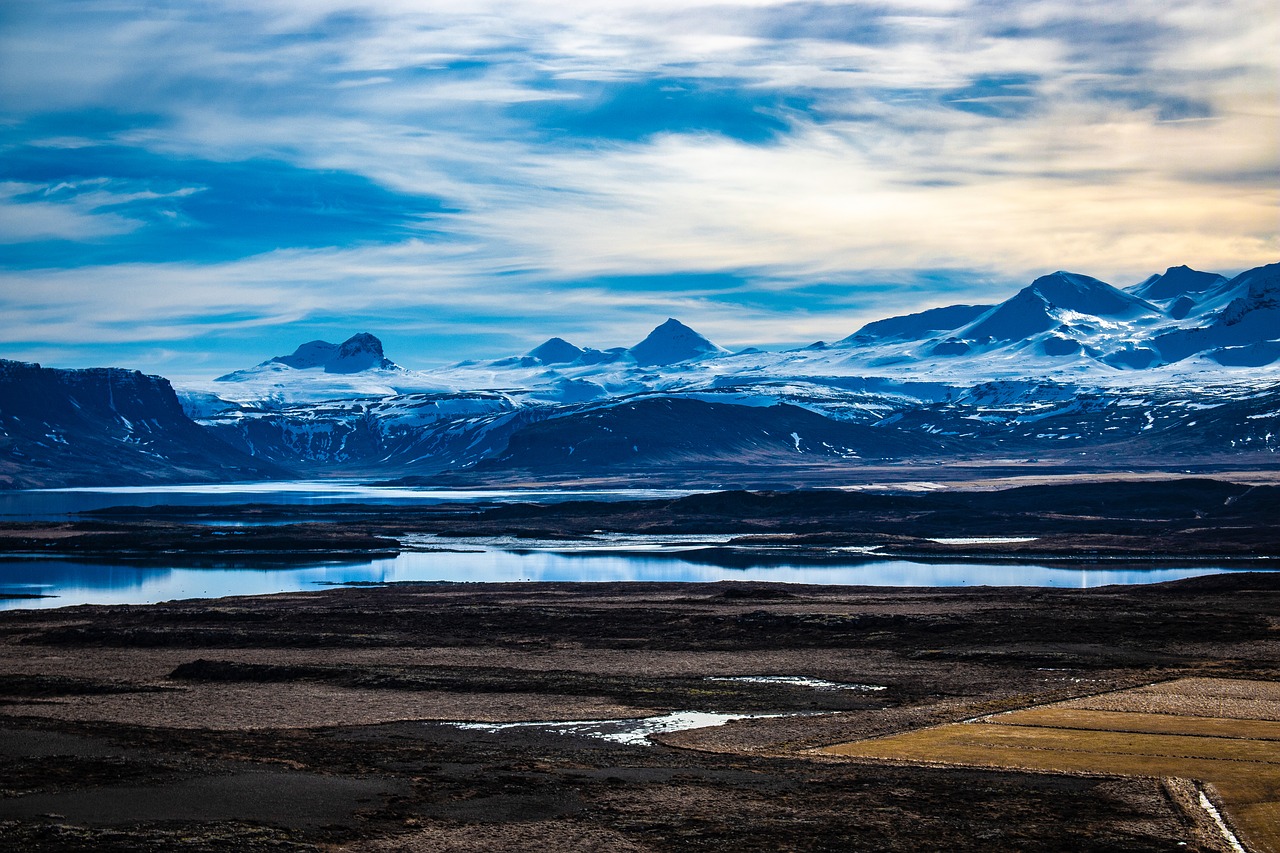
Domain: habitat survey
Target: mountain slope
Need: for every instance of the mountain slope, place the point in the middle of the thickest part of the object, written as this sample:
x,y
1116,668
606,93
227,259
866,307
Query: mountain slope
x,y
653,433
1244,333
417,432
106,425
918,326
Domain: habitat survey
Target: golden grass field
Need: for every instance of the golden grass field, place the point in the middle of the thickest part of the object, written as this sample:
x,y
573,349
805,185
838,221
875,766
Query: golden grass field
x,y
1225,732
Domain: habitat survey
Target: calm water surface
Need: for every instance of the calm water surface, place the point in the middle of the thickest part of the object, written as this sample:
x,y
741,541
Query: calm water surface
x,y
68,582
96,583
45,504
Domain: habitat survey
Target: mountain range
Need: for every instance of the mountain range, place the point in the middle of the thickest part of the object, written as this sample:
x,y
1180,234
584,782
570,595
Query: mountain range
x,y
1181,369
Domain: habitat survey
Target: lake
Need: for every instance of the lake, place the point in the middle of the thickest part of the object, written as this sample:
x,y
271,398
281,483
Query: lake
x,y
669,559
75,582
46,504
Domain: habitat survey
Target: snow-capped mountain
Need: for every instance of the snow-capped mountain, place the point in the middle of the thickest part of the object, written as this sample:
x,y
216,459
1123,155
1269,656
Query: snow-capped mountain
x,y
1244,333
672,343
315,371
1178,290
1068,368
1181,369
1054,303
556,351
359,352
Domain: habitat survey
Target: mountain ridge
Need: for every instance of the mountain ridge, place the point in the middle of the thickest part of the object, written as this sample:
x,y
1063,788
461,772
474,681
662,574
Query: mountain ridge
x,y
1098,377
1062,321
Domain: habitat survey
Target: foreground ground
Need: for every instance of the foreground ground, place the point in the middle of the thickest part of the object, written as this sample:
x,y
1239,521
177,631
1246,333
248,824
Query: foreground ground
x,y
321,720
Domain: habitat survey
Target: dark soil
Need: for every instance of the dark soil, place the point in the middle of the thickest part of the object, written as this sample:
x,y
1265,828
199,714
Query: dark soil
x,y
93,755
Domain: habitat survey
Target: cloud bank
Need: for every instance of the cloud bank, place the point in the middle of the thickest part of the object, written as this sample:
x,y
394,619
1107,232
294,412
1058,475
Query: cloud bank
x,y
466,179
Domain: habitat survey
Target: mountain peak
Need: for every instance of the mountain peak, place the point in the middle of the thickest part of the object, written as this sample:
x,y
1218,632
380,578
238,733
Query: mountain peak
x,y
556,351
673,342
359,352
1086,295
1038,307
1177,281
1076,292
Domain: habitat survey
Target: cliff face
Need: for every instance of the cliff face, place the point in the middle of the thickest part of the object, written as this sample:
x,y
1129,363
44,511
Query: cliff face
x,y
106,426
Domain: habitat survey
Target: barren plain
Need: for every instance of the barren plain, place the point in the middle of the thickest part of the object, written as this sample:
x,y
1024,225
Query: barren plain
x,y
328,720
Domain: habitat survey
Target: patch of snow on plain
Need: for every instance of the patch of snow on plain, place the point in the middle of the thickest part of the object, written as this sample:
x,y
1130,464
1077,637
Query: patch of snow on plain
x,y
982,540
797,681
631,732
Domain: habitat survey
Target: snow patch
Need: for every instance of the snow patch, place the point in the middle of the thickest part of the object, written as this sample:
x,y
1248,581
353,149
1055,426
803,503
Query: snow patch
x,y
631,732
982,540
797,681
1227,834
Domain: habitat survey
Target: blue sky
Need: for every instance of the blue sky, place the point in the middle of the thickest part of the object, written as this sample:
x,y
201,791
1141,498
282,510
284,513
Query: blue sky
x,y
191,187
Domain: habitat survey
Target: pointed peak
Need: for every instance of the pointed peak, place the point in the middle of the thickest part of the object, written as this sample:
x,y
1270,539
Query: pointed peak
x,y
556,351
673,342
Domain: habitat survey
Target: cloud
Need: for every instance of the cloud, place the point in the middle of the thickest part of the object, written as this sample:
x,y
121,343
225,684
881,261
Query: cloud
x,y
492,165
640,110
165,208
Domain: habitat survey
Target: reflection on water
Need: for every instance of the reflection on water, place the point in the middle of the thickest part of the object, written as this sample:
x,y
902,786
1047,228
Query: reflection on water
x,y
95,583
54,503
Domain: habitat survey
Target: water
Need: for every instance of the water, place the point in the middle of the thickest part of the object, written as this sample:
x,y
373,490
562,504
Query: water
x,y
673,559
50,504
77,582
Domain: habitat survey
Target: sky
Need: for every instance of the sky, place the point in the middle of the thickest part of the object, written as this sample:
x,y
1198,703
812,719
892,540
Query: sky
x,y
194,186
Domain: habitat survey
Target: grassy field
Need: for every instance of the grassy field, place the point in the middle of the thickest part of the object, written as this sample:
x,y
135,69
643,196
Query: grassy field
x,y
1220,731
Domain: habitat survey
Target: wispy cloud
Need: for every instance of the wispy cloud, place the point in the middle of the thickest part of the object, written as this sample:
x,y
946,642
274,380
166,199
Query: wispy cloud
x,y
464,172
